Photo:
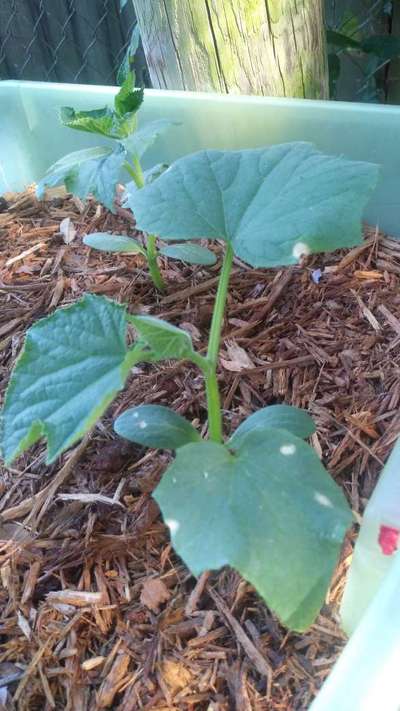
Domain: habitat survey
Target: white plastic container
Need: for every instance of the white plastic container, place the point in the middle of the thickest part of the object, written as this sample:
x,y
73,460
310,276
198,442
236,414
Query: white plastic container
x,y
367,675
370,564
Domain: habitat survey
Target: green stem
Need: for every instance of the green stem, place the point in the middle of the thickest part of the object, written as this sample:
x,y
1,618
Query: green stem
x,y
154,270
212,389
135,170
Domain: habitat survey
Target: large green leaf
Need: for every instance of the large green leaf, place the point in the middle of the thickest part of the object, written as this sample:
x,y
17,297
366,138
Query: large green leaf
x,y
144,137
72,365
107,242
104,122
190,253
282,417
155,426
164,340
269,510
90,171
273,204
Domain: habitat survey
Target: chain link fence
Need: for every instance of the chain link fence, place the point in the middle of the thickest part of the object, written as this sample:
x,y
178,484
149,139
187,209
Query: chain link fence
x,y
81,41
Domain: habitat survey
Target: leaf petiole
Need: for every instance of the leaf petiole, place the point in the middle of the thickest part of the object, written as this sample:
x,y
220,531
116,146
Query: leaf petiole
x,y
135,171
212,389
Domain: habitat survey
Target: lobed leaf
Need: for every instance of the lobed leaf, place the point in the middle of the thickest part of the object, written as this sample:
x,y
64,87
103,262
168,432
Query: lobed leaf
x,y
104,122
107,242
283,417
72,365
155,426
93,171
190,253
164,340
273,204
129,98
269,510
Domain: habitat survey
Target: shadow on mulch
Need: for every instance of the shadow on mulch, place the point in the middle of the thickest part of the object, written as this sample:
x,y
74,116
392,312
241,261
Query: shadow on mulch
x,y
96,609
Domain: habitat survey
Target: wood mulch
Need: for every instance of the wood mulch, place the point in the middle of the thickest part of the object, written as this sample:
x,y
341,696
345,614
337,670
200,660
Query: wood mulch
x,y
96,610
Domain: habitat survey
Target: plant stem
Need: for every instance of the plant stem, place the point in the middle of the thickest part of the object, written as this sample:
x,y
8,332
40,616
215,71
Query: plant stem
x,y
154,270
212,389
135,170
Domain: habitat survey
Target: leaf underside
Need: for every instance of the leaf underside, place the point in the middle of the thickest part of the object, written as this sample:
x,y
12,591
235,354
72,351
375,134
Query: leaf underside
x,y
93,171
272,204
71,367
268,509
164,340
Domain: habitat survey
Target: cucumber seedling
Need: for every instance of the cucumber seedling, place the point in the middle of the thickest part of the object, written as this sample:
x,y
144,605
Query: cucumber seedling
x,y
261,500
98,171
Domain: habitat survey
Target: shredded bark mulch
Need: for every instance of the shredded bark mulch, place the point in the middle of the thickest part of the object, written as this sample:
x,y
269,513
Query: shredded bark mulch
x,y
96,610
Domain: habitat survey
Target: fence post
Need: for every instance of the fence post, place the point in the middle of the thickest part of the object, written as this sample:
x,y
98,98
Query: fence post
x,y
272,47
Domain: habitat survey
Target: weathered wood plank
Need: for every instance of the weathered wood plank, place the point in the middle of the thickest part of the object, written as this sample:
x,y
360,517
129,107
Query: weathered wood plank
x,y
270,47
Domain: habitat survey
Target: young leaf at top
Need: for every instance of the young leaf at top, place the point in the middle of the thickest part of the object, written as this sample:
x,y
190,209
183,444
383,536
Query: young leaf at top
x,y
283,417
129,98
155,426
139,142
90,171
269,510
190,253
113,243
273,204
164,340
72,365
104,122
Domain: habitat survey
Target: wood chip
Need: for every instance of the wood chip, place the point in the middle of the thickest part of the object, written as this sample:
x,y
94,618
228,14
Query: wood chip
x,y
154,593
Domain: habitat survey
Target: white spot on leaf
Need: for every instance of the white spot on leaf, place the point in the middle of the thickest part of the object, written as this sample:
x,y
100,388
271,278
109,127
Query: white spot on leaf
x,y
287,449
172,525
135,414
300,249
142,425
323,500
205,475
174,480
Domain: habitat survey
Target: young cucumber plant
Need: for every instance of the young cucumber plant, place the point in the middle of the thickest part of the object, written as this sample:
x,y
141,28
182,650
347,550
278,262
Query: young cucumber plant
x,y
261,501
98,170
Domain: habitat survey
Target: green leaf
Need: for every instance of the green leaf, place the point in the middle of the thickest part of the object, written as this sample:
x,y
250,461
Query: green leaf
x,y
342,41
125,67
270,511
164,340
104,122
138,142
129,99
386,47
107,242
155,426
190,253
149,176
72,365
283,417
272,204
90,171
